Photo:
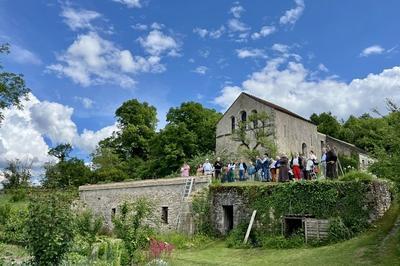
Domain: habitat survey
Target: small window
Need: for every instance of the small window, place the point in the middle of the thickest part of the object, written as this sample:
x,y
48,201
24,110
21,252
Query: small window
x,y
233,122
113,212
255,121
243,116
164,215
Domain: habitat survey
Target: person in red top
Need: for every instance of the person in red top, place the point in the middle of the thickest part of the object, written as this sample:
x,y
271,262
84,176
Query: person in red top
x,y
295,164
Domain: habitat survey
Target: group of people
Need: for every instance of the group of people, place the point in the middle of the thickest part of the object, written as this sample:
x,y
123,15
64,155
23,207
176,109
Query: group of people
x,y
266,169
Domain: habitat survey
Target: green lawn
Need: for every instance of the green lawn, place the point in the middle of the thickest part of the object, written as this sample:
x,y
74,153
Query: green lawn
x,y
379,246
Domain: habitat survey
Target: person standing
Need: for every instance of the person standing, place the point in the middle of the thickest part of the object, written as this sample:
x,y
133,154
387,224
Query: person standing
x,y
185,170
272,170
331,160
284,169
217,168
231,172
207,168
266,176
242,170
258,168
295,164
323,162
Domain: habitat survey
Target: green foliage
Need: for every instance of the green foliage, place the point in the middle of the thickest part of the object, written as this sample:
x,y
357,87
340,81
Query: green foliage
x,y
130,226
69,173
236,237
14,230
88,226
357,176
201,210
61,151
338,230
5,211
12,86
327,124
183,241
349,163
281,242
50,227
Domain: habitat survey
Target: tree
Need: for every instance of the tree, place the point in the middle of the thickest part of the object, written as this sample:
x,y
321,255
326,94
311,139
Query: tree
x,y
254,133
12,86
61,151
17,174
326,123
108,166
50,228
200,121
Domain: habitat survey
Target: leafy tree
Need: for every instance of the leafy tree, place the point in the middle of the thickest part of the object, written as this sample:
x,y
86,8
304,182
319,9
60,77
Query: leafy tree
x,y
50,228
199,120
12,86
61,151
17,174
131,225
108,166
255,133
326,123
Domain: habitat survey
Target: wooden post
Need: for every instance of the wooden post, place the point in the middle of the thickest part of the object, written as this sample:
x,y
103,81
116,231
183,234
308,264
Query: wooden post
x,y
305,229
250,226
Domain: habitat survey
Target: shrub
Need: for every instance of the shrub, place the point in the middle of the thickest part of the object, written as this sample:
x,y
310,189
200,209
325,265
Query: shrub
x,y
88,226
130,226
201,210
183,241
5,211
338,230
50,228
15,226
280,242
18,195
236,236
357,176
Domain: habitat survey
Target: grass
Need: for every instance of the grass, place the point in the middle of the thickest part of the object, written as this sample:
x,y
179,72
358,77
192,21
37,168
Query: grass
x,y
378,246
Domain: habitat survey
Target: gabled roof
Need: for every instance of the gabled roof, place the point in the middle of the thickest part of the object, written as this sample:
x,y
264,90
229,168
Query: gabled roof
x,y
271,105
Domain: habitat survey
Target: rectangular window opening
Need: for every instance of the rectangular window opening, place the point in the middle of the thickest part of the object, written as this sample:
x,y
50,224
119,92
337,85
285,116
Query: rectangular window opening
x,y
164,215
228,218
113,212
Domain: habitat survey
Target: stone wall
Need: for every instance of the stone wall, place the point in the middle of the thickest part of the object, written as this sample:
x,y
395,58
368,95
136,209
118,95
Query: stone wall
x,y
105,199
377,200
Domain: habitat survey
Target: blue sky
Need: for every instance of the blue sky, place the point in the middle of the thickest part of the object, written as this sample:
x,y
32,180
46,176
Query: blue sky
x,y
83,59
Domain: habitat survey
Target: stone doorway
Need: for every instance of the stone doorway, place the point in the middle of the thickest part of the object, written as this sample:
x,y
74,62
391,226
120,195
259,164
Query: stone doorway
x,y
228,218
292,225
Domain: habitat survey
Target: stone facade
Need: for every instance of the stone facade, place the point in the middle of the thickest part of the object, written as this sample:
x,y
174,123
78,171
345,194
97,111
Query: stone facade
x,y
377,200
164,194
292,133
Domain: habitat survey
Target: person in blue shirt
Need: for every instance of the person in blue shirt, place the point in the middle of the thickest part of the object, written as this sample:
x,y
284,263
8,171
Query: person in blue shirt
x,y
265,162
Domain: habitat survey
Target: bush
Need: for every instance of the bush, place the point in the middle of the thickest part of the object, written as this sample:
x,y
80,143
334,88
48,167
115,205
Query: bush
x,y
280,242
201,210
236,237
88,226
50,228
182,241
15,227
5,211
357,176
338,230
18,195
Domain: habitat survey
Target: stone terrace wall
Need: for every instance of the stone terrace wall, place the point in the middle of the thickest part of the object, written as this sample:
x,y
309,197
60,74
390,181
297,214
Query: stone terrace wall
x,y
103,198
377,200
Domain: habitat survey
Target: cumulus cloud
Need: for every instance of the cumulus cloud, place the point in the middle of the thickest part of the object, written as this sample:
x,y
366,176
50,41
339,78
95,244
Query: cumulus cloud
x,y
237,11
236,25
201,32
23,132
371,50
287,83
79,19
130,3
139,26
92,60
200,70
264,31
292,15
24,56
216,34
250,53
157,43
86,102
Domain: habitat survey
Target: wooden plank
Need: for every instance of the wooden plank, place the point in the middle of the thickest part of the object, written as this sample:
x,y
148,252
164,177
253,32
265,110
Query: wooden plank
x,y
250,226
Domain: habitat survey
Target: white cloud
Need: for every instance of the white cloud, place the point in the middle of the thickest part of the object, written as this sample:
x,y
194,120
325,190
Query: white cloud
x,y
323,68
139,26
200,70
236,11
24,56
130,3
201,32
265,31
250,53
282,48
86,102
374,49
292,15
157,26
157,43
205,53
23,132
236,25
288,84
216,34
91,60
79,19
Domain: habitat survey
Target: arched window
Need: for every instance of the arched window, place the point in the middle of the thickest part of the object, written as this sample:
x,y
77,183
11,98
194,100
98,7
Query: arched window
x,y
233,123
243,116
255,121
304,149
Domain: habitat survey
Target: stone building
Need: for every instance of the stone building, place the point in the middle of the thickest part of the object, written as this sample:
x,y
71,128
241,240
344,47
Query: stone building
x,y
291,132
166,196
